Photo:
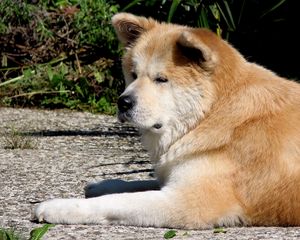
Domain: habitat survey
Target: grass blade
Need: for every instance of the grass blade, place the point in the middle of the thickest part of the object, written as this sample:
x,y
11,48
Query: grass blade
x,y
229,14
273,8
223,15
241,12
203,19
169,234
8,234
173,8
13,80
38,233
130,5
229,24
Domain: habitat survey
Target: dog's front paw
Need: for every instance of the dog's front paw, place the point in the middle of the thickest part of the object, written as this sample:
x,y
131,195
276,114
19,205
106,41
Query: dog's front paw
x,y
59,211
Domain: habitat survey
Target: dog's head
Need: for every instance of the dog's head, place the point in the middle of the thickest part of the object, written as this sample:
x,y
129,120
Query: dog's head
x,y
169,71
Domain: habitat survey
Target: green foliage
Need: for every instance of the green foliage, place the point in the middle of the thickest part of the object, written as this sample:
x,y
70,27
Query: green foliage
x,y
169,234
65,55
14,13
35,234
9,234
62,86
38,233
215,15
221,16
93,23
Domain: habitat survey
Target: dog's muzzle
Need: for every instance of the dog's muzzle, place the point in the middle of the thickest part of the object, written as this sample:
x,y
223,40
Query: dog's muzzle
x,y
125,106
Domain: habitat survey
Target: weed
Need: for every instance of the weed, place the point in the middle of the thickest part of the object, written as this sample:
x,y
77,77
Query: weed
x,y
35,234
9,234
60,54
38,233
220,230
62,86
169,234
16,140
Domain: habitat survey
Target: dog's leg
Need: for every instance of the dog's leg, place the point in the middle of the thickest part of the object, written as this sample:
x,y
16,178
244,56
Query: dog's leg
x,y
150,208
164,208
119,186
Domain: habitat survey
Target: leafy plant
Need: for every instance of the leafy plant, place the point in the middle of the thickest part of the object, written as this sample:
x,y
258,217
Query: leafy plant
x,y
169,234
222,16
215,15
9,234
14,13
67,56
35,234
38,233
92,23
63,86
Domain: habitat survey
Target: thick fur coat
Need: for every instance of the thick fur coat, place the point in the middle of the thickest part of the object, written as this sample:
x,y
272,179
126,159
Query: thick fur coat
x,y
223,135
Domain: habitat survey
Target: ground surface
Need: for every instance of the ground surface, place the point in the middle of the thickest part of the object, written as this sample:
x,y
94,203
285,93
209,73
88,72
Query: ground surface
x,y
69,150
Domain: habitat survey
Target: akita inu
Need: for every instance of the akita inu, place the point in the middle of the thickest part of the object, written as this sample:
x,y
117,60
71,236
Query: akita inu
x,y
223,134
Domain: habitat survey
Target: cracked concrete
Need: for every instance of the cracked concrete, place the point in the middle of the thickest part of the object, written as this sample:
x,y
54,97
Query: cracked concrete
x,y
69,150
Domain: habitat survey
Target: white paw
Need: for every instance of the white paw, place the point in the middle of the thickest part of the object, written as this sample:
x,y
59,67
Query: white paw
x,y
59,211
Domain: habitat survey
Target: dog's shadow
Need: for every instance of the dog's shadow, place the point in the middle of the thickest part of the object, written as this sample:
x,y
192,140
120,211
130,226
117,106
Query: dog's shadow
x,y
123,131
113,186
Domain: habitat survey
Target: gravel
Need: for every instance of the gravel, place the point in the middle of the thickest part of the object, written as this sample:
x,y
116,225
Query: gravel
x,y
70,149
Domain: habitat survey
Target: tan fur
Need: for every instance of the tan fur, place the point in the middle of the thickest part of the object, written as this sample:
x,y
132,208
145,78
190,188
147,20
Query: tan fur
x,y
253,126
223,134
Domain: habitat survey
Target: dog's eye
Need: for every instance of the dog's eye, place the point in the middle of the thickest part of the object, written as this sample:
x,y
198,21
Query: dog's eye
x,y
161,80
133,75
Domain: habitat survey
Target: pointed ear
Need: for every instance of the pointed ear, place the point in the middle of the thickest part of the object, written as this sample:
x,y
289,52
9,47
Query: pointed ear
x,y
191,47
129,27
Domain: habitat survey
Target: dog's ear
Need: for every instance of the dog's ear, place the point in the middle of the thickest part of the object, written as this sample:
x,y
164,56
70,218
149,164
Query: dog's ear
x,y
129,27
191,47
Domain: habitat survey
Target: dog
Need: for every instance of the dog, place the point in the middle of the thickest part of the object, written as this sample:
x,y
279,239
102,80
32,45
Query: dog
x,y
223,135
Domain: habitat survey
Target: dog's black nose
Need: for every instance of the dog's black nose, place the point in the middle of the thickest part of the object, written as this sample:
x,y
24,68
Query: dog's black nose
x,y
126,103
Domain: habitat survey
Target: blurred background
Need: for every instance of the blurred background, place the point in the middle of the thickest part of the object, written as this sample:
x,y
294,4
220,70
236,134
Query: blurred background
x,y
64,53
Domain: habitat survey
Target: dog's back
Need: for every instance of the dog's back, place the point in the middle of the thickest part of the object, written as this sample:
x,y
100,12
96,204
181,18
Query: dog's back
x,y
266,151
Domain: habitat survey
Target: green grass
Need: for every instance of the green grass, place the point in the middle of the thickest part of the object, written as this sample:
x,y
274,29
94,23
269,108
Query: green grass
x,y
170,234
63,86
9,234
59,54
35,234
38,233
